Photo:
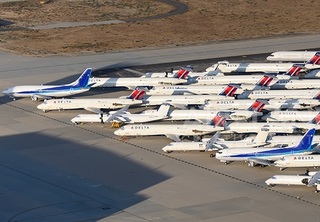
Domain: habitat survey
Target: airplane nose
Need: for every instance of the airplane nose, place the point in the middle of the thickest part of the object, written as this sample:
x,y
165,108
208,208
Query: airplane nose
x,y
40,106
118,132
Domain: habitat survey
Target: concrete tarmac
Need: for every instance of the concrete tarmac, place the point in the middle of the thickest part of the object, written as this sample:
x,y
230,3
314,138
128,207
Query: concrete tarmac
x,y
52,170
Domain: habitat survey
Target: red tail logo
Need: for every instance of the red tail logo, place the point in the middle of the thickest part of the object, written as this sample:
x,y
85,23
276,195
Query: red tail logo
x,y
182,74
316,119
229,91
137,94
315,59
265,81
257,106
294,70
219,120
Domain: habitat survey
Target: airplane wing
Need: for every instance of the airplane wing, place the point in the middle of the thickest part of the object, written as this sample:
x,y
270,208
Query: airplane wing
x,y
260,161
314,179
94,110
36,97
179,106
173,137
212,140
117,114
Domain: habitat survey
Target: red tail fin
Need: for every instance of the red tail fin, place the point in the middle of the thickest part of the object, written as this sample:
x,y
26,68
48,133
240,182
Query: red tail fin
x,y
257,106
219,120
136,94
316,119
230,90
294,70
182,74
265,81
315,60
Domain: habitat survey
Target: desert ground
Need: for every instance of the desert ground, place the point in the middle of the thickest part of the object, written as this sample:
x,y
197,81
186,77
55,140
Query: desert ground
x,y
136,24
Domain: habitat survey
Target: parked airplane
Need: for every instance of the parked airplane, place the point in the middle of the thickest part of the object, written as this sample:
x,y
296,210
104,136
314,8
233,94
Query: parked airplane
x,y
260,80
265,156
48,91
296,84
172,131
182,101
228,90
280,94
216,143
185,71
124,116
308,179
312,160
133,82
292,116
205,116
287,140
291,56
92,104
226,67
271,104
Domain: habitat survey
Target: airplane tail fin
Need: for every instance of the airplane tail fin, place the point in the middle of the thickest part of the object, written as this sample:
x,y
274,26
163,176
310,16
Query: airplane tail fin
x,y
295,70
230,90
182,74
219,120
265,80
163,109
315,60
316,119
306,141
212,140
136,94
261,137
83,80
257,105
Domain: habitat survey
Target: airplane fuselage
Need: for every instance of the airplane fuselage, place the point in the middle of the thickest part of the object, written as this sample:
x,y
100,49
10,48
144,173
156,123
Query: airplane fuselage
x,y
134,82
291,56
103,103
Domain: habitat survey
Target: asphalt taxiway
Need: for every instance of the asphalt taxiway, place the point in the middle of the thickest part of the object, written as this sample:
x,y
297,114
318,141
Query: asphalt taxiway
x,y
52,170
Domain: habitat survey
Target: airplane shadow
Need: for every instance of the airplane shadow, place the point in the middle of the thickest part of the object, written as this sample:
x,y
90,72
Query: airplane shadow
x,y
47,178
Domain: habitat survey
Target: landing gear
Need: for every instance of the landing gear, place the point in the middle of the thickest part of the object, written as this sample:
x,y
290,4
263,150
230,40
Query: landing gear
x,y
212,155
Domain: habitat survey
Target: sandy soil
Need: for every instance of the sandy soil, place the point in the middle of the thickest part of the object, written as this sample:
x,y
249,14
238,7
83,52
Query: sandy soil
x,y
206,21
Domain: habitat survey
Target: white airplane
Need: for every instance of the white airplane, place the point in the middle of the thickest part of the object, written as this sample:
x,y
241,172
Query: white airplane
x,y
92,104
280,94
308,179
228,90
287,140
265,156
172,131
312,160
227,67
122,116
216,143
292,116
48,91
185,71
271,104
296,84
133,82
182,101
291,56
205,116
260,80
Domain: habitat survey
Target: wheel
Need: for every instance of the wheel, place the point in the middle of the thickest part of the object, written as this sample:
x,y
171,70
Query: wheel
x,y
212,155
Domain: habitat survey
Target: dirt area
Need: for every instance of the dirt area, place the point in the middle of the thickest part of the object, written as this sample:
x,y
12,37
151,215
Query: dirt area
x,y
205,21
